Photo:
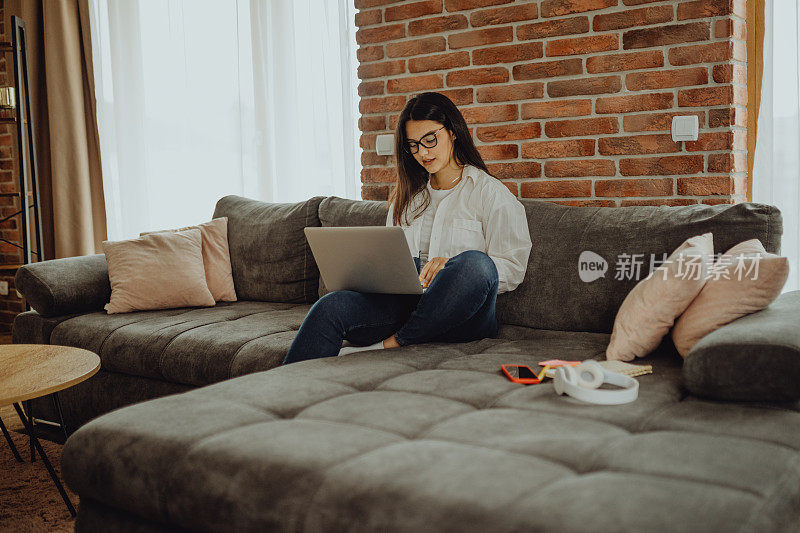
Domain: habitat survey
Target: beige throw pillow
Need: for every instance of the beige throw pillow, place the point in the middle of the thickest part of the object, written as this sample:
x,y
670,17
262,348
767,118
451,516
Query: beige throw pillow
x,y
216,258
157,271
652,306
743,280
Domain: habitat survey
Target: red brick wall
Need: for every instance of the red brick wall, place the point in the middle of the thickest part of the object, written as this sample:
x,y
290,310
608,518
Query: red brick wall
x,y
568,100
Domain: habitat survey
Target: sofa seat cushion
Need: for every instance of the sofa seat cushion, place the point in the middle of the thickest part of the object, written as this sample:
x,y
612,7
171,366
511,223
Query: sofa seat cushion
x,y
433,437
188,346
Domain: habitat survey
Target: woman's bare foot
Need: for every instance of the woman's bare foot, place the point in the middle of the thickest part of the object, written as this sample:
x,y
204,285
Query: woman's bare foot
x,y
390,343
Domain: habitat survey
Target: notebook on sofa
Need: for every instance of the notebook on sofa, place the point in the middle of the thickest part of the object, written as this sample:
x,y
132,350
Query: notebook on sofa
x,y
621,367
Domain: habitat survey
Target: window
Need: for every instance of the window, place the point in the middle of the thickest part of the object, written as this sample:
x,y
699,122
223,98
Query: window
x,y
776,173
198,99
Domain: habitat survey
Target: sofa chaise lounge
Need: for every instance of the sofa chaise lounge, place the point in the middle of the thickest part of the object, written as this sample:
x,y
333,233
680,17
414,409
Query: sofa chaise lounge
x,y
425,437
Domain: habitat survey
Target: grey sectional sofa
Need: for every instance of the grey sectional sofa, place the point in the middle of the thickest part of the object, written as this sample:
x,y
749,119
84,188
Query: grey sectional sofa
x,y
427,437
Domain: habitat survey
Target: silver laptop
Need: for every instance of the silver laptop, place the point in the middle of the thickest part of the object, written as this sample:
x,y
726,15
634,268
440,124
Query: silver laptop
x,y
365,259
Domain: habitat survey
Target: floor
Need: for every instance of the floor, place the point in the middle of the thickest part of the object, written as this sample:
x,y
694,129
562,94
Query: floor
x,y
29,502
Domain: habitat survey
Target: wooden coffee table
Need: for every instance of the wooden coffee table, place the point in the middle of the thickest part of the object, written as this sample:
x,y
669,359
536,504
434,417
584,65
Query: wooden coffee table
x,y
30,371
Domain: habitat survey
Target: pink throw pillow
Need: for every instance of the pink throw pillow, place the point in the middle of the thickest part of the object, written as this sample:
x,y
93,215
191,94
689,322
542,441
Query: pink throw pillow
x,y
157,271
652,306
743,280
216,258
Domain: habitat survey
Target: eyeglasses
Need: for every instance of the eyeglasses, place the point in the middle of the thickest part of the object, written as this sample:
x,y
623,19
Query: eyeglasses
x,y
428,141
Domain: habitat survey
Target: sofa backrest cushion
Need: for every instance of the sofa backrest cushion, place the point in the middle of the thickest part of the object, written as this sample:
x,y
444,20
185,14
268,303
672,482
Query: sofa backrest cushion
x,y
270,256
554,297
341,212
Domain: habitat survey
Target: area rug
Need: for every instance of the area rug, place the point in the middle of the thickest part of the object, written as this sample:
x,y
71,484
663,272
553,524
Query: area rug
x,y
29,502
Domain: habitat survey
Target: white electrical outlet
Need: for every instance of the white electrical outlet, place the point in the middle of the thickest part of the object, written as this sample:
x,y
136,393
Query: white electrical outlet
x,y
685,128
384,144
3,288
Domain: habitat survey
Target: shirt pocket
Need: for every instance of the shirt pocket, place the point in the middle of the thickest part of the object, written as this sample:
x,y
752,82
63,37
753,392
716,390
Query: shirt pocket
x,y
468,234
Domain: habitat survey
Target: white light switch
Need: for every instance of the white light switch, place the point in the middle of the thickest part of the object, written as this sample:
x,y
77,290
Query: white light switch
x,y
384,144
685,128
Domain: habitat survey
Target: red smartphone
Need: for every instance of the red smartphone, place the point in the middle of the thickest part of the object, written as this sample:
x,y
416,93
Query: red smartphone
x,y
523,374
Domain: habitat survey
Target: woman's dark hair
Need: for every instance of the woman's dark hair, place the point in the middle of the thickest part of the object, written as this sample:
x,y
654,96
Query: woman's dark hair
x,y
411,176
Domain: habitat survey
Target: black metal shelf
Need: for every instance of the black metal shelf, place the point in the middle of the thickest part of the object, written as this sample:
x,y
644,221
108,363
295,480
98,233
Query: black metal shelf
x,y
20,117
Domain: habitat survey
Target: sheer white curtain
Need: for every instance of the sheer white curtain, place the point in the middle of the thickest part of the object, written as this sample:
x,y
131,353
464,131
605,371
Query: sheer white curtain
x,y
776,173
198,99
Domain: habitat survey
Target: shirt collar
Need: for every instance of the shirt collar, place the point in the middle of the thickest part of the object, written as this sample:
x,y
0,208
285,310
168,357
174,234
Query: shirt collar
x,y
470,172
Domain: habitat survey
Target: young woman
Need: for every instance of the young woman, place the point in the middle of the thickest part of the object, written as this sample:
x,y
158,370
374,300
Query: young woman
x,y
468,235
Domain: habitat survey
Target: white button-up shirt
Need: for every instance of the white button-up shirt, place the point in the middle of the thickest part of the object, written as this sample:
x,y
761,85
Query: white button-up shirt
x,y
480,214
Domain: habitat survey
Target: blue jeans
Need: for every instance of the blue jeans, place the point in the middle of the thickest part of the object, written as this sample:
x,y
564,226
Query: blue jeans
x,y
458,306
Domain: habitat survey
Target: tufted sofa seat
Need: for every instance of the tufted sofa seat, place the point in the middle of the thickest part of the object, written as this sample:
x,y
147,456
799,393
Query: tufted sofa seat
x,y
153,353
433,438
188,346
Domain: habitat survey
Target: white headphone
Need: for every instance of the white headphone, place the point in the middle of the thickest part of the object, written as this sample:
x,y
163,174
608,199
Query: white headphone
x,y
581,382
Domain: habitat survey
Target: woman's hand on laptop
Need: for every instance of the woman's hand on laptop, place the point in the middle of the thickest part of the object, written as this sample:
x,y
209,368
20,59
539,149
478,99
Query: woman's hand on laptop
x,y
431,268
